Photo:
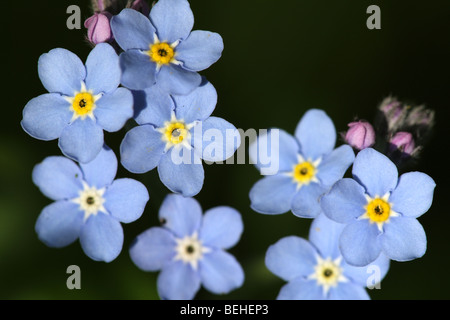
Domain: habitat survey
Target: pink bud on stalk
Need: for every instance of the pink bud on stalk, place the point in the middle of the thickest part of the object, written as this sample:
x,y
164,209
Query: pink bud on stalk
x,y
98,25
99,29
360,135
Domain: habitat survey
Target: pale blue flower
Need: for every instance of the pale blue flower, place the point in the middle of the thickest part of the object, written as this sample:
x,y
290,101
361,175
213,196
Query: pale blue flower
x,y
83,101
161,49
175,134
308,166
88,204
315,269
380,210
189,249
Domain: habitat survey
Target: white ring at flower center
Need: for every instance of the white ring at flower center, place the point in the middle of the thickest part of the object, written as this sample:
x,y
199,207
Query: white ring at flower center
x,y
190,250
328,273
90,200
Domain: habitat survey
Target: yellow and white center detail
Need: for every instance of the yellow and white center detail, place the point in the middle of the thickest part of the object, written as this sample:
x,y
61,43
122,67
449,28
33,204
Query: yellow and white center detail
x,y
190,250
176,133
378,210
304,172
90,200
328,273
82,104
162,53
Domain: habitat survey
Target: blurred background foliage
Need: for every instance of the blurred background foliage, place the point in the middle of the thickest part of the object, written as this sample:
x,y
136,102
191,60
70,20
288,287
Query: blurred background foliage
x,y
281,58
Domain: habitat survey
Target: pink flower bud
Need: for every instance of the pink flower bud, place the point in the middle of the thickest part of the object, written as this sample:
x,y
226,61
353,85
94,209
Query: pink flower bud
x,y
403,141
360,135
99,29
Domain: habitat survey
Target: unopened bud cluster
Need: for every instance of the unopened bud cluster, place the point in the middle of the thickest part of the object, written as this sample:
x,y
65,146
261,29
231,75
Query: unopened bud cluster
x,y
400,130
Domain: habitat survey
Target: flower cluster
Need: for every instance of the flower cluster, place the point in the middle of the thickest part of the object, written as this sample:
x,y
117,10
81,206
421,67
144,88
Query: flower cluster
x,y
360,223
143,67
144,70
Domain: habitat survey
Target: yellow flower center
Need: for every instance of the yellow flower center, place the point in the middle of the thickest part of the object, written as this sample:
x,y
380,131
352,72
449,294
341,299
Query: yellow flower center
x,y
378,210
161,53
83,103
304,172
175,132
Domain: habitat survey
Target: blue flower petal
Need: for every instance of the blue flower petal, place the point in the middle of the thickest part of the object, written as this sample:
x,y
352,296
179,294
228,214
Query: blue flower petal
x,y
46,116
101,171
301,289
59,224
103,69
220,272
334,165
404,239
274,152
102,237
152,249
198,105
58,178
316,134
185,177
157,108
178,281
306,204
141,149
215,139
348,291
359,243
138,71
375,172
176,80
291,257
413,195
173,19
132,30
114,109
82,140
213,233
200,50
324,234
345,201
125,199
181,215
369,275
273,194
61,71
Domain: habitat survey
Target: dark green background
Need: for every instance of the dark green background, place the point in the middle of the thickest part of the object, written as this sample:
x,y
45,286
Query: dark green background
x,y
281,58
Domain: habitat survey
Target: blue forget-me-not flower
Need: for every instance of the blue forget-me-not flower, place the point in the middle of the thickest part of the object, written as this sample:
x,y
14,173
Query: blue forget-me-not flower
x,y
315,269
380,210
174,134
162,48
190,249
81,103
89,204
308,166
